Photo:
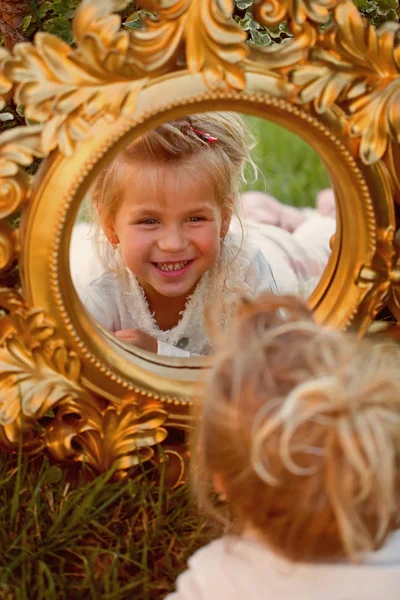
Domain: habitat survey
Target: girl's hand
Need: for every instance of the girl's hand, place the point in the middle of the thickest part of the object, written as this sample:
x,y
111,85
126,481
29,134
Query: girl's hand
x,y
137,338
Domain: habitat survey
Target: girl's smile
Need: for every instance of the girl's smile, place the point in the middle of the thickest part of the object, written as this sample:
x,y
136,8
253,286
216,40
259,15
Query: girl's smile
x,y
173,269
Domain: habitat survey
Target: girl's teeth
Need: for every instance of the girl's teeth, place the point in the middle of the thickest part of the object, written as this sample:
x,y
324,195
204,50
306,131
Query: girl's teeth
x,y
172,267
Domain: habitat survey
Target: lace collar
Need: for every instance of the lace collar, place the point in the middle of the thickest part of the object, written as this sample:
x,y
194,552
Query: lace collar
x,y
219,291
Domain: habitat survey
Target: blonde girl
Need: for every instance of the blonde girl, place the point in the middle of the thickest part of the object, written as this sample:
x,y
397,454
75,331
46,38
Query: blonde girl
x,y
300,431
172,244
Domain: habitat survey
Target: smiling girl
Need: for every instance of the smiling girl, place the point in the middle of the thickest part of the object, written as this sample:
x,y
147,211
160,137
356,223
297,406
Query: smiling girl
x,y
172,245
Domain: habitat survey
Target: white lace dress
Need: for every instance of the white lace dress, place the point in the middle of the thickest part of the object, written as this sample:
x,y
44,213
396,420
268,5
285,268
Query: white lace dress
x,y
265,258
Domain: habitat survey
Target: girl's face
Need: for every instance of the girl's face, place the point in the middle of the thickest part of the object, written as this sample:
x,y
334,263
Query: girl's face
x,y
169,227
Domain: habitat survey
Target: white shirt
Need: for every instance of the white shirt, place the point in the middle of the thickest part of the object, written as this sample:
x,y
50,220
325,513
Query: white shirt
x,y
245,569
264,258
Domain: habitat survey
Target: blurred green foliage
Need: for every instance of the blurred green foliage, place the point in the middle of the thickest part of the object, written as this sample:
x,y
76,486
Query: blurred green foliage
x,y
289,169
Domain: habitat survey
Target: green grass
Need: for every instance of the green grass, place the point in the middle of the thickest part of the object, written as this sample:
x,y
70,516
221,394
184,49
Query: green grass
x,y
292,171
67,535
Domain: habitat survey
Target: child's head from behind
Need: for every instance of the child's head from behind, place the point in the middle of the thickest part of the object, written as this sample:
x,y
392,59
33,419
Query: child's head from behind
x,y
300,429
168,198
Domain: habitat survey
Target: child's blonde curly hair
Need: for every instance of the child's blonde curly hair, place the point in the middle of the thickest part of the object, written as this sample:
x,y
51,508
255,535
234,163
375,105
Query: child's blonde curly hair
x,y
301,428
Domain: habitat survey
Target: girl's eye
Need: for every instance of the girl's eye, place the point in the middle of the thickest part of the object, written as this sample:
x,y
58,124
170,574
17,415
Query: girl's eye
x,y
148,222
196,219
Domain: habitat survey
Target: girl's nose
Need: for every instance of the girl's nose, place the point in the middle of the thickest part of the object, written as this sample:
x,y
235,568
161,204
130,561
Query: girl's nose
x,y
172,240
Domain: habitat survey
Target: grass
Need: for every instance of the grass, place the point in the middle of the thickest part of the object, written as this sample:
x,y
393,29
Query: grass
x,y
292,171
66,535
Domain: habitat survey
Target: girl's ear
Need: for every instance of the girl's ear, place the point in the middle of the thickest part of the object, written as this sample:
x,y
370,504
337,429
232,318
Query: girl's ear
x,y
219,487
226,222
110,234
107,225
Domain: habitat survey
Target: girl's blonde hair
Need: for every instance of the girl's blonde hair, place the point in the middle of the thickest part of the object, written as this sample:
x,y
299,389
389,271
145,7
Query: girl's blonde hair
x,y
181,142
301,425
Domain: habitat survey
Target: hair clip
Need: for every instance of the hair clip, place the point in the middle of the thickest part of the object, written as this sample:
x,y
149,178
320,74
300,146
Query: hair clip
x,y
205,136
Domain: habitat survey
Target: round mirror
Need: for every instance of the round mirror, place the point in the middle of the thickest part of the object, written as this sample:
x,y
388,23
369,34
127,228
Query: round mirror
x,y
257,240
194,216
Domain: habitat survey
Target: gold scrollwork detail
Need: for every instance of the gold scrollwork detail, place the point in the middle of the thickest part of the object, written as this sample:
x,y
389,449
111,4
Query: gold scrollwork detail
x,y
202,31
271,13
5,82
9,246
43,403
66,89
121,436
17,148
381,278
350,64
394,296
34,375
391,160
176,463
357,67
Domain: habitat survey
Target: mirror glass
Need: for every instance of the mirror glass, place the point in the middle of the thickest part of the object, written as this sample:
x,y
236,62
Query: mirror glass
x,y
191,217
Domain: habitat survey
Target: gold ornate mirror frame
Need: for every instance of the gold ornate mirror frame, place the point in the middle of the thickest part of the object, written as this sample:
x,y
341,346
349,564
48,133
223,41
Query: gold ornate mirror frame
x,y
67,388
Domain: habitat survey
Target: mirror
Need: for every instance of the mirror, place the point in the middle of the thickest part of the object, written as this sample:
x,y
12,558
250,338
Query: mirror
x,y
193,216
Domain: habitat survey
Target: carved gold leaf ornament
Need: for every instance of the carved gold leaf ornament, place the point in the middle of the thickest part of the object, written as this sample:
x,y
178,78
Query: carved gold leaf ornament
x,y
377,278
120,437
9,246
36,371
392,256
337,86
96,18
125,439
280,57
17,148
21,430
159,43
357,67
64,89
40,386
217,48
11,300
176,463
32,382
391,161
214,45
5,83
70,419
271,13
